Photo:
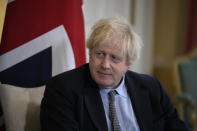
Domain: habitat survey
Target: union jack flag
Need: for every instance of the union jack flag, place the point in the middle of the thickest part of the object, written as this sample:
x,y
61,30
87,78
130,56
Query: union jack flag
x,y
40,39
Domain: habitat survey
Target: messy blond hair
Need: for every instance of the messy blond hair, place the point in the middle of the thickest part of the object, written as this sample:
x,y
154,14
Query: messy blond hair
x,y
106,29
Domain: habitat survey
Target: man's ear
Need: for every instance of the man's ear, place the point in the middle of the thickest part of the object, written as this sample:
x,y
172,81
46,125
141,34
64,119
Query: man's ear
x,y
129,67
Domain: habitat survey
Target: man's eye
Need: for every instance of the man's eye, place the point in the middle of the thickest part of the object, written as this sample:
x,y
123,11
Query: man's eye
x,y
99,54
115,59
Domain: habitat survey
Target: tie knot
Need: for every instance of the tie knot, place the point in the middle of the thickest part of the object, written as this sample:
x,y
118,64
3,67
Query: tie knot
x,y
112,93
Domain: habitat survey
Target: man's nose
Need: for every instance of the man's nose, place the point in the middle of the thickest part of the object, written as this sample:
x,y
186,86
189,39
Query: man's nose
x,y
105,63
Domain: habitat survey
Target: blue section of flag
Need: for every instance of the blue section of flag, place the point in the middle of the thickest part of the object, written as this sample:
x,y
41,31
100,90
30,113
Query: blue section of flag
x,y
32,72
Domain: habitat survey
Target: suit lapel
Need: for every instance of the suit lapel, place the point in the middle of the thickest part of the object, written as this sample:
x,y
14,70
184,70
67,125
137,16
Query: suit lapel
x,y
95,107
141,104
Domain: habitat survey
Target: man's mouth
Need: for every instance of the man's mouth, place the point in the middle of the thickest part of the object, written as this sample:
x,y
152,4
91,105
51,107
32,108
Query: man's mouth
x,y
103,73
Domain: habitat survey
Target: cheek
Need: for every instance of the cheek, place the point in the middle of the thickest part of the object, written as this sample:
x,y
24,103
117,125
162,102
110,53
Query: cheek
x,y
120,71
94,61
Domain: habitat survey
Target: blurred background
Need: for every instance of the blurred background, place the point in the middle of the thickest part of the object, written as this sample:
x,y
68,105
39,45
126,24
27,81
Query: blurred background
x,y
168,29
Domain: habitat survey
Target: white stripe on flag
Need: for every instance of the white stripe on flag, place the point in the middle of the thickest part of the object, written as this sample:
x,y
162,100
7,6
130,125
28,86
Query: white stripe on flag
x,y
9,1
62,53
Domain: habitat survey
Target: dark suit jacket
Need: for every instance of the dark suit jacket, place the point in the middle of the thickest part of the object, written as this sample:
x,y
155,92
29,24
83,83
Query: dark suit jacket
x,y
72,102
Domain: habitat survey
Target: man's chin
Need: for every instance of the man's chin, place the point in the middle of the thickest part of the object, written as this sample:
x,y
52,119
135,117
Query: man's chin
x,y
105,85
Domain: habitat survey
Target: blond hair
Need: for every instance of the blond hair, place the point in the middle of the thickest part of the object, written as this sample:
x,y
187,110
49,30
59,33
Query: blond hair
x,y
107,29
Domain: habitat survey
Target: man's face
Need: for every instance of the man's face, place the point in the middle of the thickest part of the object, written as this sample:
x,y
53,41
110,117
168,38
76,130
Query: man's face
x,y
107,65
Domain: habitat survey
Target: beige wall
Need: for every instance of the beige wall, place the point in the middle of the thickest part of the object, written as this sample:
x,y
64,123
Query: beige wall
x,y
169,38
144,25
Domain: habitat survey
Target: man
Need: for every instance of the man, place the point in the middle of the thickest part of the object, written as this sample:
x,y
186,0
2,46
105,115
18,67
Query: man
x,y
104,95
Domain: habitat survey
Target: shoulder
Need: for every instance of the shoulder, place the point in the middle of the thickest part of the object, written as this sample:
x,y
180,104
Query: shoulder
x,y
141,78
145,82
73,74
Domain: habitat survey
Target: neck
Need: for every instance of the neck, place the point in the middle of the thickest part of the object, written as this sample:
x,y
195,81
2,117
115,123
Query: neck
x,y
111,87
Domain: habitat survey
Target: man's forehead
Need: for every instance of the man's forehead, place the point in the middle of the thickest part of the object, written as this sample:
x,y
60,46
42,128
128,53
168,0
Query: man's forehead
x,y
112,43
111,49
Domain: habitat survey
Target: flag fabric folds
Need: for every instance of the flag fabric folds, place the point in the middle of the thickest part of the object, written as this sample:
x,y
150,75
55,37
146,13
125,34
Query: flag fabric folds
x,y
40,39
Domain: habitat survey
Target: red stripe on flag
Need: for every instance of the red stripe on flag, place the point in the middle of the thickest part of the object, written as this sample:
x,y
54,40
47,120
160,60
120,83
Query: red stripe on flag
x,y
191,39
